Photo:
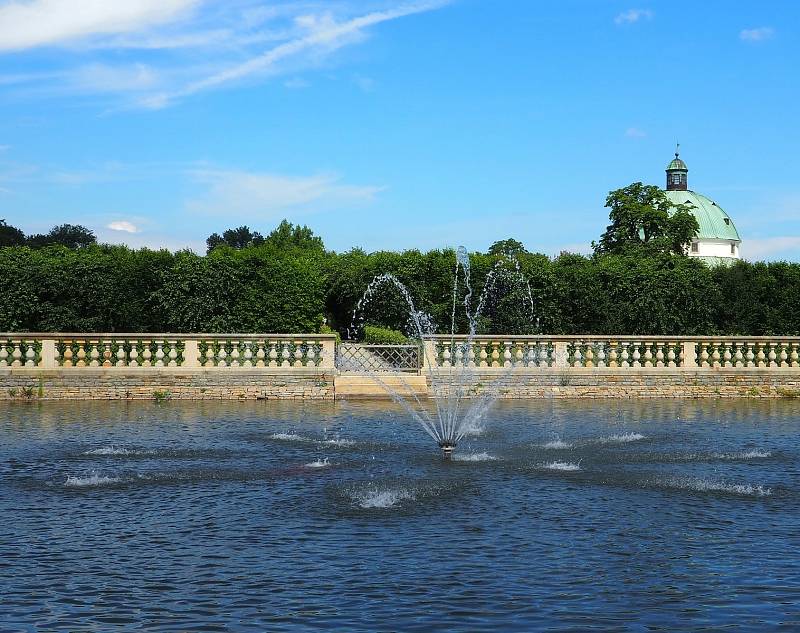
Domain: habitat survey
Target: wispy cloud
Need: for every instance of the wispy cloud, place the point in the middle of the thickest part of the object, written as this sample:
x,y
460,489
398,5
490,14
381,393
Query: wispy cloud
x,y
38,23
124,226
632,16
757,35
771,248
152,53
324,35
267,196
635,132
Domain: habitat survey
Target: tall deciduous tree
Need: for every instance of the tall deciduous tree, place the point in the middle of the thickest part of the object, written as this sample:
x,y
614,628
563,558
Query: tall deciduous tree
x,y
643,219
507,248
10,235
69,235
241,237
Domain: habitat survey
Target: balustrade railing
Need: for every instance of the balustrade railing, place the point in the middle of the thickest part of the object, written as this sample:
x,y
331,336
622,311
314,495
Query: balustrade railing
x,y
130,351
613,352
318,351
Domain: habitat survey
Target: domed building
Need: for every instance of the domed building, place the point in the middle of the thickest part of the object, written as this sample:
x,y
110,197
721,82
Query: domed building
x,y
717,242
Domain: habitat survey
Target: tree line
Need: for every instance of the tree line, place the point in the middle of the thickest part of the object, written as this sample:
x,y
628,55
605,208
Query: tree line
x,y
636,282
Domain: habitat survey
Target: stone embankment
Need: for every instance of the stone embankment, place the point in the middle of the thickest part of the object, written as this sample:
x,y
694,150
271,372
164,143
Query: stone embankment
x,y
246,367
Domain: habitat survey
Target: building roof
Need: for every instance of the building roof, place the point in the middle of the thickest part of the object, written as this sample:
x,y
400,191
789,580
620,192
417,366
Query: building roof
x,y
677,164
714,223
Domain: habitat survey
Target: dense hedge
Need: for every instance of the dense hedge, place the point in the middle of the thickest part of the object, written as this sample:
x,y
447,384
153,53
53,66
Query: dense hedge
x,y
269,289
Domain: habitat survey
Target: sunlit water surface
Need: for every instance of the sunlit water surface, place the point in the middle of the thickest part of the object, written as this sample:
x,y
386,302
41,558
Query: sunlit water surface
x,y
571,516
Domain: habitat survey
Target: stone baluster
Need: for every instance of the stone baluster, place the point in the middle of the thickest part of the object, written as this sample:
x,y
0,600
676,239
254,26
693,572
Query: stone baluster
x,y
483,355
715,353
625,358
107,355
146,353
209,354
726,354
659,354
613,355
784,357
446,355
94,354
119,356
247,355
750,355
648,354
285,354
578,356
235,354
704,354
173,353
273,354
738,358
588,356
671,357
67,355
299,348
16,355
761,357
495,353
794,361
3,355
507,354
637,355
159,354
81,355
30,355
772,356
261,354
134,356
601,354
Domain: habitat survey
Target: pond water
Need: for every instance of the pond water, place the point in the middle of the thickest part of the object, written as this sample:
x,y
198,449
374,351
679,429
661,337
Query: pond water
x,y
567,516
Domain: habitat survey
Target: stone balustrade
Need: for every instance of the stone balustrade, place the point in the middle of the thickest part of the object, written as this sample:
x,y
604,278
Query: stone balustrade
x,y
613,352
198,351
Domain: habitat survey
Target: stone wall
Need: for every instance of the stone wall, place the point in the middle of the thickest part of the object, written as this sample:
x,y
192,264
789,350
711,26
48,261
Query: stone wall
x,y
316,384
643,383
151,384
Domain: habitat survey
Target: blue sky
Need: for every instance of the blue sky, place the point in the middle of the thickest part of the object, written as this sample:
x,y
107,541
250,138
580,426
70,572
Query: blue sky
x,y
392,124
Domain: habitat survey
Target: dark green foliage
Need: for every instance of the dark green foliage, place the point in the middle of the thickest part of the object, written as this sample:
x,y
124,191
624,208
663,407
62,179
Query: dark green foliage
x,y
10,235
68,235
291,284
239,238
374,335
507,248
641,222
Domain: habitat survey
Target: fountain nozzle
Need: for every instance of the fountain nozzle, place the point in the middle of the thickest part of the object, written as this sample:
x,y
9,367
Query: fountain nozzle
x,y
447,450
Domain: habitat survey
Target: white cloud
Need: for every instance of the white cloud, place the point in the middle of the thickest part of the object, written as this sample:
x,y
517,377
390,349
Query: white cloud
x,y
635,132
767,248
265,195
36,23
124,226
231,42
757,35
322,34
632,16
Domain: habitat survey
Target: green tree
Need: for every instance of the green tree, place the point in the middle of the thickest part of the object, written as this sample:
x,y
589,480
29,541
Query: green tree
x,y
290,236
241,237
10,235
70,235
645,221
507,248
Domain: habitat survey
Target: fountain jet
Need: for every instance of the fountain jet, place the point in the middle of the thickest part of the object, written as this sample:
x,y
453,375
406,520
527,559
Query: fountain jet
x,y
459,404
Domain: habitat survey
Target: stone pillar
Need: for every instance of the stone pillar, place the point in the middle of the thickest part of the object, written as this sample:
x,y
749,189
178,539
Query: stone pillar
x,y
48,355
429,353
328,359
689,354
561,354
191,354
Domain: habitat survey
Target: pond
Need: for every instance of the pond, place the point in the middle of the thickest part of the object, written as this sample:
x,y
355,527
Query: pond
x,y
559,515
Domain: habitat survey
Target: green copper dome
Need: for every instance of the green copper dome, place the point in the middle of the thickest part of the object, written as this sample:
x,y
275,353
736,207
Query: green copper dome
x,y
714,223
677,164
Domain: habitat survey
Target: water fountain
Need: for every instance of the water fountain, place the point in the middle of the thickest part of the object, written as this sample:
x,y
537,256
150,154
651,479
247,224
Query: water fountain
x,y
458,405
